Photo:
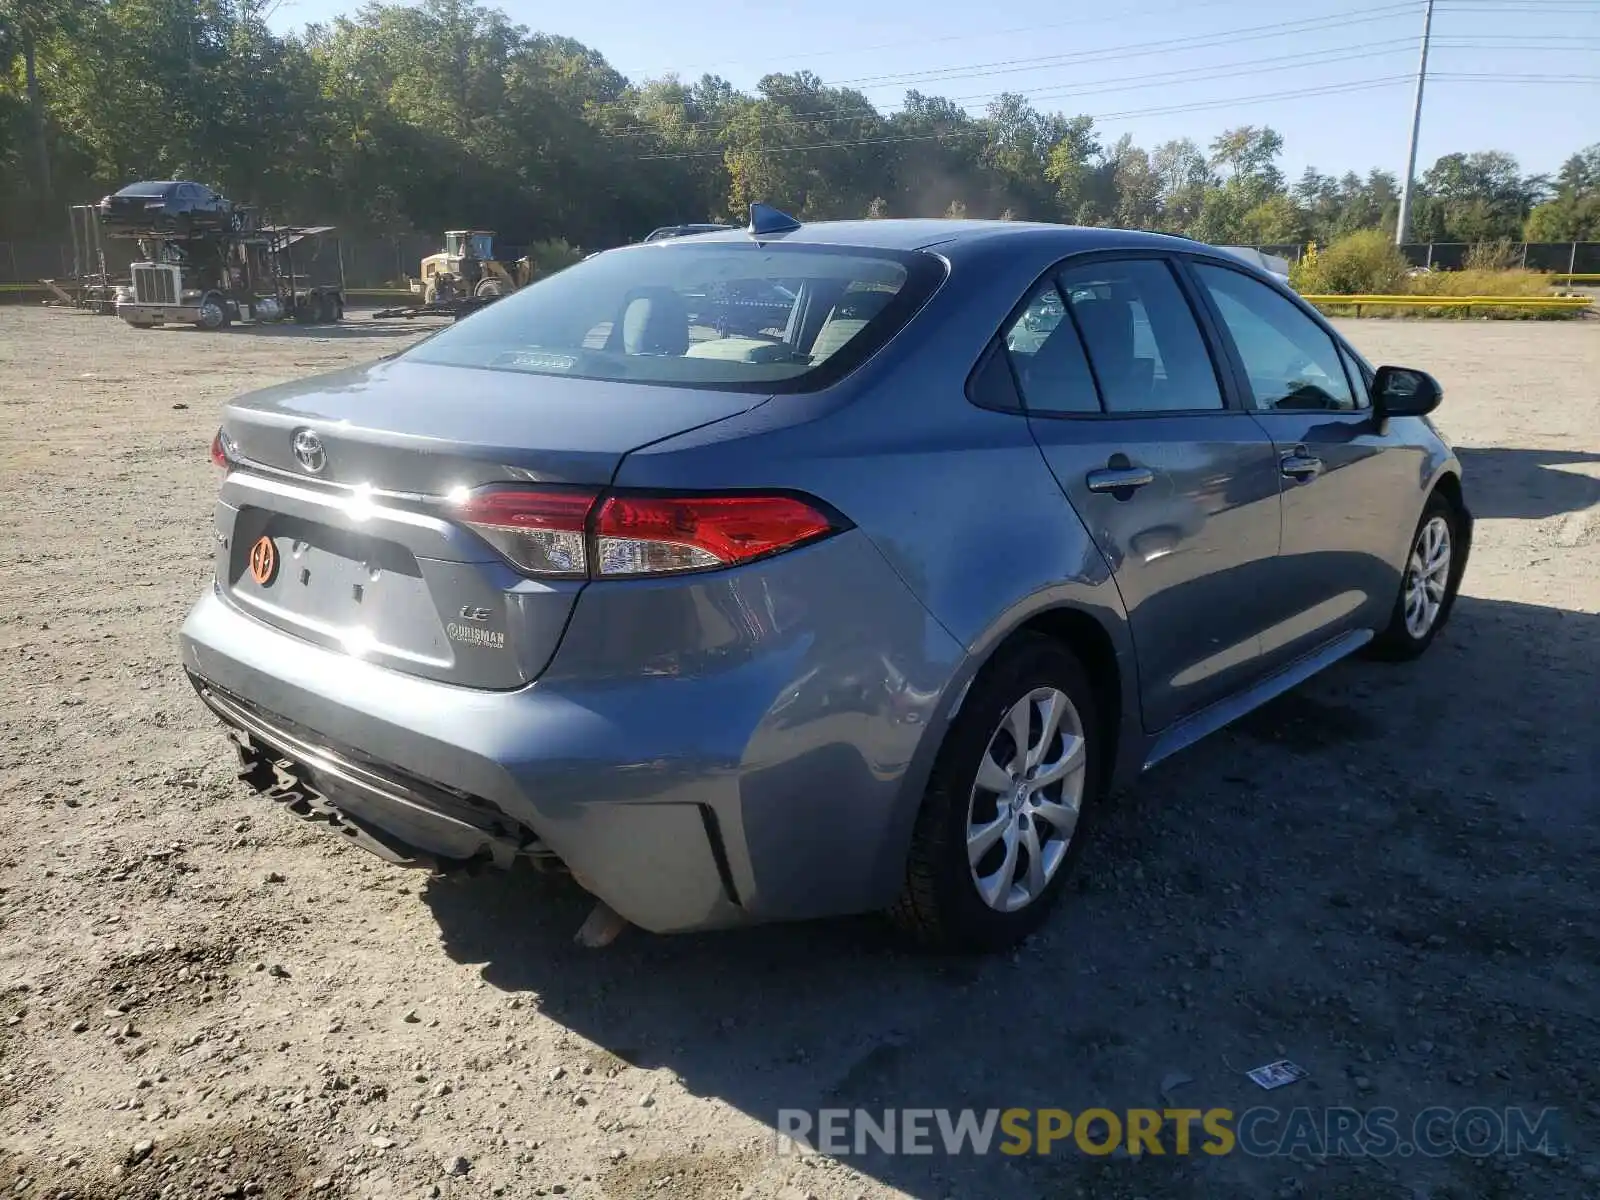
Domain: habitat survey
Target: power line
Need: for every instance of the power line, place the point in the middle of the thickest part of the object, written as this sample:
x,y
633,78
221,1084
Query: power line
x,y
1326,90
1089,87
1249,33
1115,53
973,35
1339,89
1262,65
1488,78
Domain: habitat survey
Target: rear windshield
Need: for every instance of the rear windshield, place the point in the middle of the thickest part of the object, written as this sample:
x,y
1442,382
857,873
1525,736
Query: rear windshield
x,y
732,316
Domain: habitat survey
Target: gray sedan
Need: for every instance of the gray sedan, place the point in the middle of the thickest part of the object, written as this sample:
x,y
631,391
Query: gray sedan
x,y
858,610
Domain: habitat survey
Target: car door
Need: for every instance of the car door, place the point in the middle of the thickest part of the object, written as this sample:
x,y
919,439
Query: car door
x,y
1178,489
1349,490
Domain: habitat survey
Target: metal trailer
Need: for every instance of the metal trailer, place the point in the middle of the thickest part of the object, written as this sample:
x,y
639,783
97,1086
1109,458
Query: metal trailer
x,y
455,309
91,285
247,273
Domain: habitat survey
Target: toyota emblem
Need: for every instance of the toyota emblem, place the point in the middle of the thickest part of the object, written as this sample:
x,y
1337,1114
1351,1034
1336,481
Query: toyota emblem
x,y
308,451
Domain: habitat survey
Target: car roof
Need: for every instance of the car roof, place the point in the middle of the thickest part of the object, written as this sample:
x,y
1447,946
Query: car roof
x,y
952,234
150,185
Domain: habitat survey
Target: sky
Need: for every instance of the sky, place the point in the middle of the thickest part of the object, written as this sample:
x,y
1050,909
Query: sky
x,y
1336,80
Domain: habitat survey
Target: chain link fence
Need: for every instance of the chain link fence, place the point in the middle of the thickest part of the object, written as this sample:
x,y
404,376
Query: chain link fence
x,y
1574,258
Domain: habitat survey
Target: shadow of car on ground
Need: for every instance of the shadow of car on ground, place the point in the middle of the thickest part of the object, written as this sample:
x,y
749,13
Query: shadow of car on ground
x,y
1386,876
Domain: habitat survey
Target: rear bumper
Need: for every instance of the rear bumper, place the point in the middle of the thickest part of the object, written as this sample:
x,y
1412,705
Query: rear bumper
x,y
766,772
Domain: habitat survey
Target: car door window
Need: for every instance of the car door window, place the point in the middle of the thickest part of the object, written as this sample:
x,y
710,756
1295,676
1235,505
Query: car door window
x,y
1143,342
1052,373
1292,363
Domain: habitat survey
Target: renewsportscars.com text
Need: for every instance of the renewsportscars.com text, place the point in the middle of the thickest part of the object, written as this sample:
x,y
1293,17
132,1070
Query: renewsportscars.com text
x,y
1260,1132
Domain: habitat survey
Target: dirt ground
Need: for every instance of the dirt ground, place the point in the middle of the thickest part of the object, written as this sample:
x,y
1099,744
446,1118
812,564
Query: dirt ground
x,y
1388,876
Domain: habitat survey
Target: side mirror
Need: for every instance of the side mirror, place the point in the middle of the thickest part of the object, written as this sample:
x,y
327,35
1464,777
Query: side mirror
x,y
1403,392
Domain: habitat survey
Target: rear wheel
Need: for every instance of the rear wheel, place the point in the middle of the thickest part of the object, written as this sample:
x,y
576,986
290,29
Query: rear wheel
x,y
490,289
1427,586
999,824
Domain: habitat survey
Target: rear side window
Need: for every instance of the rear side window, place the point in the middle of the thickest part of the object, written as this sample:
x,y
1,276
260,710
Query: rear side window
x,y
1143,343
732,316
1292,363
1047,356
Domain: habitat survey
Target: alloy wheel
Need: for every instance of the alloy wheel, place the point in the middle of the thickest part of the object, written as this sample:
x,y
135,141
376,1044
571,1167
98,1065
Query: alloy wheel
x,y
1427,576
1026,798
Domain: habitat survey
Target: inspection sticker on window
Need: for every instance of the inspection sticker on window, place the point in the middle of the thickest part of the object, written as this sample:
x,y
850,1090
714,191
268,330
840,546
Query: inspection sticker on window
x,y
1276,1075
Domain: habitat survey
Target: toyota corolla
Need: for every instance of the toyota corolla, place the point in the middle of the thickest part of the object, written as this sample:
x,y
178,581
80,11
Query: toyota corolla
x,y
857,608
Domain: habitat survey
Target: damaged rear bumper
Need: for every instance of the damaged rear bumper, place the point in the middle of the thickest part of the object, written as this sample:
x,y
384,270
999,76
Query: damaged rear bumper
x,y
745,747
400,818
441,777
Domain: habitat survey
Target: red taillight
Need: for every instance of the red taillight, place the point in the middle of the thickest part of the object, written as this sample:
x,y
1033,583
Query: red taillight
x,y
219,452
572,533
651,535
541,532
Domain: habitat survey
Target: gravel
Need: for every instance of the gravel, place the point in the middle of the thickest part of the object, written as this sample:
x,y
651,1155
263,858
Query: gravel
x,y
1386,876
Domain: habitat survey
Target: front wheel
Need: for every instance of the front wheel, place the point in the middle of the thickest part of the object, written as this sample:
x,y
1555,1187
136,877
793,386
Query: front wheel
x,y
999,824
213,313
1428,585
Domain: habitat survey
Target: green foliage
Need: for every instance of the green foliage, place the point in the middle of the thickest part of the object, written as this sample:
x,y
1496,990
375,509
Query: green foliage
x,y
1363,263
1486,257
446,113
552,255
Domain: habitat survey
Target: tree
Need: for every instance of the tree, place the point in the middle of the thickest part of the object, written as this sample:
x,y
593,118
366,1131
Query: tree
x,y
1250,155
1479,197
447,113
1184,175
1573,214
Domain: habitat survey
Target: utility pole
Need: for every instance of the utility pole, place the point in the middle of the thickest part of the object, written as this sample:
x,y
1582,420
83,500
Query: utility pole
x,y
1404,221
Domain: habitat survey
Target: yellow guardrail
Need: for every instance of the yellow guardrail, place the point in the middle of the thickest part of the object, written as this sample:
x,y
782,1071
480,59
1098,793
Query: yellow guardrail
x,y
1580,277
1545,303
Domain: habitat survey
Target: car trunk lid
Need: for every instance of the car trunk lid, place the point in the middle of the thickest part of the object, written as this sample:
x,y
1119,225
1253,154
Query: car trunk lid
x,y
337,524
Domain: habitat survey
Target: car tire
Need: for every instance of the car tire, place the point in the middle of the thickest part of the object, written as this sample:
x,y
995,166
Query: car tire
x,y
214,313
950,901
1428,584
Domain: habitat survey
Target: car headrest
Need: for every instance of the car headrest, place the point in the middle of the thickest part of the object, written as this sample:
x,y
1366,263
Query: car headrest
x,y
656,321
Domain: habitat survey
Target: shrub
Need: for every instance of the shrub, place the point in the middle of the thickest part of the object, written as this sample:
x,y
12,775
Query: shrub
x,y
1490,256
551,256
1473,282
1364,263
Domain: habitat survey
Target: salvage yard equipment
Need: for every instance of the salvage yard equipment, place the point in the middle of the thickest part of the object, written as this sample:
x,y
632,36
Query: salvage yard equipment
x,y
467,268
242,270
462,278
90,286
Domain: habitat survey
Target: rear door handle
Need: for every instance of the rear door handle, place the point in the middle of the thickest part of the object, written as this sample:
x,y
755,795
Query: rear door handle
x,y
1120,479
1298,464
